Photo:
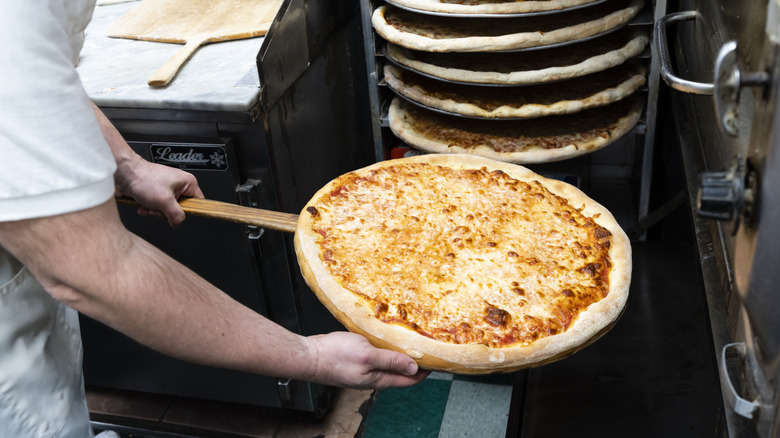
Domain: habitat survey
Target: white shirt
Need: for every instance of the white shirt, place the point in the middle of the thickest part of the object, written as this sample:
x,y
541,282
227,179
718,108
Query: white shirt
x,y
53,158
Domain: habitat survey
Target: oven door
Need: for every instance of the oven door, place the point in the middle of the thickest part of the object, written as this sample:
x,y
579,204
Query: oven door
x,y
723,57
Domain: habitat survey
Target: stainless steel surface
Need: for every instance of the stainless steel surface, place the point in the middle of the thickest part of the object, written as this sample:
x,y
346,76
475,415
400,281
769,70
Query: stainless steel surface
x,y
488,15
716,276
319,127
695,46
738,131
757,252
284,55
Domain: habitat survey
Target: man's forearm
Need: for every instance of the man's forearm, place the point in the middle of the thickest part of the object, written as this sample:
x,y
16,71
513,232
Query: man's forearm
x,y
91,263
116,142
123,154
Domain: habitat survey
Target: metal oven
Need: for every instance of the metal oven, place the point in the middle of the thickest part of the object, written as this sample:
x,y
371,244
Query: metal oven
x,y
723,64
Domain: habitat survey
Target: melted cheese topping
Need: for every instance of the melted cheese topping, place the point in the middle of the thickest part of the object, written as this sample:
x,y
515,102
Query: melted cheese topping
x,y
462,256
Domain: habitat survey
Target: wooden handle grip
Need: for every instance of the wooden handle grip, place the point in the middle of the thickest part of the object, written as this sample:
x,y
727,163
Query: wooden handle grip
x,y
165,74
273,220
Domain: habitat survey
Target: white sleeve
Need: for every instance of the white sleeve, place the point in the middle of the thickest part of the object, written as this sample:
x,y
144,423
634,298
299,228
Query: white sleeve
x,y
53,157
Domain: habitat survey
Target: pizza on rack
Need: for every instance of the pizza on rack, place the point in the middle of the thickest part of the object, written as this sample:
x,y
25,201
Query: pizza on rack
x,y
483,34
523,68
541,140
491,6
564,97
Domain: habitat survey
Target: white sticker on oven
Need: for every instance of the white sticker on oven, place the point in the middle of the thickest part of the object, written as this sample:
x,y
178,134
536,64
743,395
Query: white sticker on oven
x,y
188,156
773,21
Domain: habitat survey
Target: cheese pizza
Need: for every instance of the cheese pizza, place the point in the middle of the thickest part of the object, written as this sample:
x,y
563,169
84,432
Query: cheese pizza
x,y
467,264
542,140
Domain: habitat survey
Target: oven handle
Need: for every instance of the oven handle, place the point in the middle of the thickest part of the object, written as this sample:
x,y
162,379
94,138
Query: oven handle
x,y
741,406
662,49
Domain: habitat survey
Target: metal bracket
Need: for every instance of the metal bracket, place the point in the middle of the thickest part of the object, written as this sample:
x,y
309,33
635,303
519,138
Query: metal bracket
x,y
286,390
249,196
729,81
729,195
741,406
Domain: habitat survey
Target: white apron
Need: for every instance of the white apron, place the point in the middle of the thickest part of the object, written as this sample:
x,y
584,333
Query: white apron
x,y
41,382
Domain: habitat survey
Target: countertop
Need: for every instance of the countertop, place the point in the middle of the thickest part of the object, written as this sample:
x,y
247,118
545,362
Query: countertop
x,y
218,77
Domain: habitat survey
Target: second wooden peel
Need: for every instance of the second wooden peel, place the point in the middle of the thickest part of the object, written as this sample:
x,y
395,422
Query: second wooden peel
x,y
273,220
193,23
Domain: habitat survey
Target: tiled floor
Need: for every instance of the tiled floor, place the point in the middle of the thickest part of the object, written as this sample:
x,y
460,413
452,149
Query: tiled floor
x,y
443,406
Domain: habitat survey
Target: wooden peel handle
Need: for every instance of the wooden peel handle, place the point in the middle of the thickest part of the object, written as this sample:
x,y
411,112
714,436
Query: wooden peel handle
x,y
273,220
165,74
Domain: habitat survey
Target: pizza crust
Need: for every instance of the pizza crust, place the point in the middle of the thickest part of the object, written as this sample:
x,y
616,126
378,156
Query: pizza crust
x,y
460,358
518,102
505,7
544,140
489,71
441,34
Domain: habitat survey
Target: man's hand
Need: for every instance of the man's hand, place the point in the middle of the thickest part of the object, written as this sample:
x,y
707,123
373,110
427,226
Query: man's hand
x,y
349,360
157,188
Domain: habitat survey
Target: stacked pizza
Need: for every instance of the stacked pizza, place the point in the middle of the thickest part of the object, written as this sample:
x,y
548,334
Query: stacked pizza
x,y
518,81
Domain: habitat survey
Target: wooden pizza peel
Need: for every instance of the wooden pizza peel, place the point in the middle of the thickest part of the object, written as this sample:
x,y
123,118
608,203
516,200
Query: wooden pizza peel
x,y
273,220
193,23
288,222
